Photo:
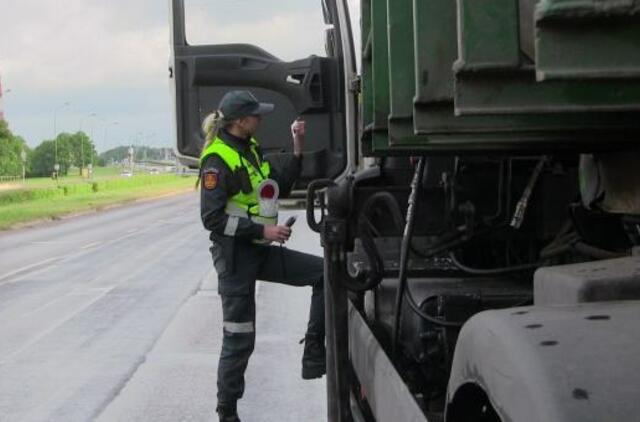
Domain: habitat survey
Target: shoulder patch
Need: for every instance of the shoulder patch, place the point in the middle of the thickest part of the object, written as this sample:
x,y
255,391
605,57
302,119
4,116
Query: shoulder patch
x,y
210,178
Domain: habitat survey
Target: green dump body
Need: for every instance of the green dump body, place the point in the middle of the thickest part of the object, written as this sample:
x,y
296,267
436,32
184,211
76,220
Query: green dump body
x,y
499,76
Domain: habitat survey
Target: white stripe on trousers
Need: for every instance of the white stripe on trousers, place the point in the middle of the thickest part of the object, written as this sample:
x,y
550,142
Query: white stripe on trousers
x,y
238,327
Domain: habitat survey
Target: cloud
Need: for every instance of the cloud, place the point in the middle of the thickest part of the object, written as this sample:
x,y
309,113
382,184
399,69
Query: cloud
x,y
83,44
288,36
111,57
78,44
105,57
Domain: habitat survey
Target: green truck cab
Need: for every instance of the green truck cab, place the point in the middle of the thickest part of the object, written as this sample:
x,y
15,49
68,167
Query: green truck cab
x,y
480,200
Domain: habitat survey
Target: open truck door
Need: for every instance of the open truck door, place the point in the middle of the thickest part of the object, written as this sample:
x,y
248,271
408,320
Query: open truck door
x,y
312,88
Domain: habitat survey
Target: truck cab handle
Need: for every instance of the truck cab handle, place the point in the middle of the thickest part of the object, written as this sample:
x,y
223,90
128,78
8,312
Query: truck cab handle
x,y
312,190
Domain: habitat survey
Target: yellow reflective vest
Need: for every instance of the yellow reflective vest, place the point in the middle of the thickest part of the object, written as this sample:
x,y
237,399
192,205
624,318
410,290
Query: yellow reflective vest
x,y
243,204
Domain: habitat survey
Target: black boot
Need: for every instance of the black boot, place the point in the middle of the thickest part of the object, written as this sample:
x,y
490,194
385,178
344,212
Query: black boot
x,y
227,412
314,359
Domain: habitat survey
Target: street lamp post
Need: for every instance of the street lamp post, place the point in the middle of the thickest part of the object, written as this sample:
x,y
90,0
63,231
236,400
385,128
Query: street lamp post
x,y
131,158
106,131
56,165
92,149
82,144
137,142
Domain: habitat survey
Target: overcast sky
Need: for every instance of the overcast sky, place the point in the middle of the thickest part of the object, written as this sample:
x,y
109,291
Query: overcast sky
x,y
110,58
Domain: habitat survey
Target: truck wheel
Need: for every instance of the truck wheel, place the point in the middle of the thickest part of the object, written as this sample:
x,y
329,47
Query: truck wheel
x,y
471,404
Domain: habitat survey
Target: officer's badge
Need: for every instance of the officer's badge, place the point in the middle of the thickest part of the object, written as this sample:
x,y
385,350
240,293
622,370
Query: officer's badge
x,y
210,179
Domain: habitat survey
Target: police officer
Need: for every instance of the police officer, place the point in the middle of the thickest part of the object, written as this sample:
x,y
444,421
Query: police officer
x,y
238,206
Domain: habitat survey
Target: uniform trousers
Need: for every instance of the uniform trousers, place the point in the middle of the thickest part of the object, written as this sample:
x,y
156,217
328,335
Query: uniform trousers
x,y
237,276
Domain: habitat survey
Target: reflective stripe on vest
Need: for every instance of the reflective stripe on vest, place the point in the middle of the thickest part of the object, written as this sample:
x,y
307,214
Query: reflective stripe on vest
x,y
236,211
242,204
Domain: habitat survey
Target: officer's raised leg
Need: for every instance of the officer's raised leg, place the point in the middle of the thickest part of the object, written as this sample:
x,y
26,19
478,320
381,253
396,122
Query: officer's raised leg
x,y
300,269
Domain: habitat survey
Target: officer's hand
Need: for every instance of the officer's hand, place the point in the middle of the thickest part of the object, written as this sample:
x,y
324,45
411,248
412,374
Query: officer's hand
x,y
278,234
298,131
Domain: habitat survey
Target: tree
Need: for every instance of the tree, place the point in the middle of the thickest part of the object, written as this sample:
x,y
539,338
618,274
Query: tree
x,y
24,154
82,150
65,153
73,150
42,159
4,130
11,147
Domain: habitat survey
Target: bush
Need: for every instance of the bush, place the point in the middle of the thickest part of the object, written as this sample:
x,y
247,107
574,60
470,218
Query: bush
x,y
138,182
24,195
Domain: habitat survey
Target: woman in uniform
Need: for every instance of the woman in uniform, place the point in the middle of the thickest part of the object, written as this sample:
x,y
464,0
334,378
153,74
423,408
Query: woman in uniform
x,y
239,191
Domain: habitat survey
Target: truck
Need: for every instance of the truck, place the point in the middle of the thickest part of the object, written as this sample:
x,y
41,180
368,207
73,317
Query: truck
x,y
473,174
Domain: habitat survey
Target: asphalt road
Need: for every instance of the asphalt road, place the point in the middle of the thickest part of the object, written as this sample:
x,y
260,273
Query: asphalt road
x,y
115,316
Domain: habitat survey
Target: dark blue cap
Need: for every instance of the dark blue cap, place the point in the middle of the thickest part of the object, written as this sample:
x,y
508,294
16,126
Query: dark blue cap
x,y
237,104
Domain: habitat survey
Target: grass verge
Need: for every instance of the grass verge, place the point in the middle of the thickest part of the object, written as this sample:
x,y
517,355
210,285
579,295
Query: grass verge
x,y
29,204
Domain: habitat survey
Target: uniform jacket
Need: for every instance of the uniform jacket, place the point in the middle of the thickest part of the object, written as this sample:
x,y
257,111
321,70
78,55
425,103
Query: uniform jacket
x,y
214,200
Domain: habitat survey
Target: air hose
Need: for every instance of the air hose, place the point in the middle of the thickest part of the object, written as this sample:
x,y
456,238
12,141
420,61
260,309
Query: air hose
x,y
369,279
404,250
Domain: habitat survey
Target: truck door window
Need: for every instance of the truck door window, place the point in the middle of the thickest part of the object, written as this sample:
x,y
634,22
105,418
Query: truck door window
x,y
288,29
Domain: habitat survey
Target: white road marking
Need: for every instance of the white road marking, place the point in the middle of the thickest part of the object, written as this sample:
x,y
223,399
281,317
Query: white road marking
x,y
51,329
84,291
123,237
82,251
91,245
28,268
50,242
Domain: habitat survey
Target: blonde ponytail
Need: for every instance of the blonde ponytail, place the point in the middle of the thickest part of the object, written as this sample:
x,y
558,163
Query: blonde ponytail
x,y
211,125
